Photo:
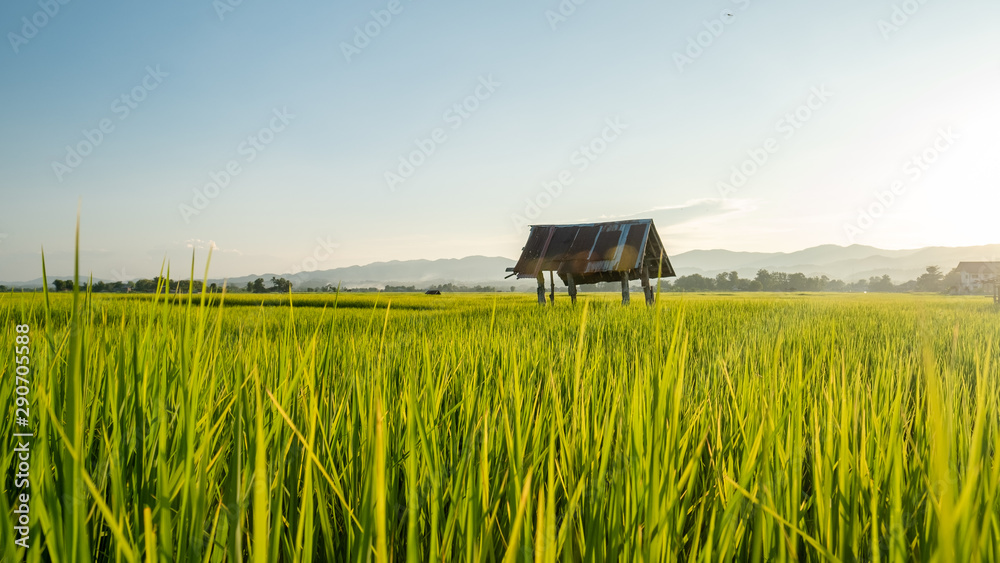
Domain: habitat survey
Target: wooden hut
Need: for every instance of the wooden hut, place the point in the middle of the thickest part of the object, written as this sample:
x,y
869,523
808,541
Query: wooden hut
x,y
594,252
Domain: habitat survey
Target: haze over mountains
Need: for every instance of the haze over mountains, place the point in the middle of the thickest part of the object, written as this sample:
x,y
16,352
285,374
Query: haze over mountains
x,y
845,263
837,262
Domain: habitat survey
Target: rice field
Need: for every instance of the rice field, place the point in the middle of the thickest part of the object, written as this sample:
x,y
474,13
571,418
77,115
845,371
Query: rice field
x,y
764,427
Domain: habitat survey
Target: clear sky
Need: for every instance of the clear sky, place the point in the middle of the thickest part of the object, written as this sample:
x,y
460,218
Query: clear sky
x,y
324,134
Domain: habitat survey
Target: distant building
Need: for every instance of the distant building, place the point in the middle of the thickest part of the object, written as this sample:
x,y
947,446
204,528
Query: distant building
x,y
976,276
590,253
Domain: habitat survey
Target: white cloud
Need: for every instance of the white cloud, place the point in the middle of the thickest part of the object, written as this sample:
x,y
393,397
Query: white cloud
x,y
199,244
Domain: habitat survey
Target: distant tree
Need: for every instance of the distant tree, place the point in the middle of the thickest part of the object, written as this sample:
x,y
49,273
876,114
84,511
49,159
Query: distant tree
x,y
930,280
740,284
860,285
694,282
764,278
450,287
881,284
256,286
835,285
280,285
779,282
727,281
185,286
798,282
400,288
145,286
722,282
952,282
213,288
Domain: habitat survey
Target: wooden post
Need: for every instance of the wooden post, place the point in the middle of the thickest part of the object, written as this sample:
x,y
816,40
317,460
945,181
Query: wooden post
x,y
646,290
572,288
624,288
996,293
552,281
541,288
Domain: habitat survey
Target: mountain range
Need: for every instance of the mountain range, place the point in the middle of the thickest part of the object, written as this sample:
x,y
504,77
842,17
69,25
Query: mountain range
x,y
848,263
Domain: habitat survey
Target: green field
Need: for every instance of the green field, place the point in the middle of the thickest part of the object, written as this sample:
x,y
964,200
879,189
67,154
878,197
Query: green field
x,y
486,428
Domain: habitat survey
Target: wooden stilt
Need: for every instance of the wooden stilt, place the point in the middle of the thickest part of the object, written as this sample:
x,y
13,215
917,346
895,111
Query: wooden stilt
x,y
552,282
572,288
624,288
646,290
659,273
541,288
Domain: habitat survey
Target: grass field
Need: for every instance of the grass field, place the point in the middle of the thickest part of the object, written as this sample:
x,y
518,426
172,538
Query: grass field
x,y
486,428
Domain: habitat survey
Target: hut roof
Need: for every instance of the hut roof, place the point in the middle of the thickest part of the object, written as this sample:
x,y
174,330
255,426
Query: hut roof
x,y
595,252
988,268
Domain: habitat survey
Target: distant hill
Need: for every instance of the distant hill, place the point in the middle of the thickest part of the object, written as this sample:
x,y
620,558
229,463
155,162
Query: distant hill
x,y
848,263
471,270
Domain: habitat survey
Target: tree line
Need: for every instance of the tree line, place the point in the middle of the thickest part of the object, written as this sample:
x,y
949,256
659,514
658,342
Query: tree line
x,y
444,288
137,286
932,280
278,285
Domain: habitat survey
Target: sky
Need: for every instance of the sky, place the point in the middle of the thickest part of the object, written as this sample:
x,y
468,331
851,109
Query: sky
x,y
304,135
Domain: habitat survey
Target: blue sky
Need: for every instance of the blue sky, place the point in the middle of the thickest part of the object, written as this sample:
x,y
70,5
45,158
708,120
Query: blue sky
x,y
396,129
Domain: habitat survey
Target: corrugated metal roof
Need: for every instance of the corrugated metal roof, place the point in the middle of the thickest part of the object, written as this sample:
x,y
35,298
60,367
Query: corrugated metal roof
x,y
981,268
594,252
989,268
